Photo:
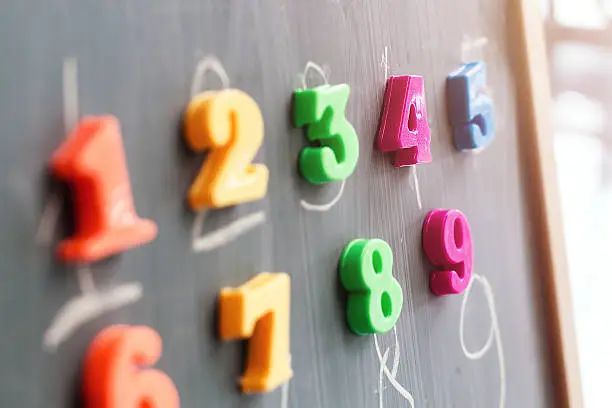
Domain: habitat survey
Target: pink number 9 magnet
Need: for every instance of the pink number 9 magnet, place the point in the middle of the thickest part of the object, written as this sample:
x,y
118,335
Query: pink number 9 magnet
x,y
447,242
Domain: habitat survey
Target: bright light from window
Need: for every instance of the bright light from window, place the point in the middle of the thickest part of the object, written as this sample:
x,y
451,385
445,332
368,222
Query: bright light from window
x,y
574,111
581,13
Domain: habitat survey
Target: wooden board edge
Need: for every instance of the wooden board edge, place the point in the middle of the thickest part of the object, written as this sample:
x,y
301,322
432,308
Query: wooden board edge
x,y
536,141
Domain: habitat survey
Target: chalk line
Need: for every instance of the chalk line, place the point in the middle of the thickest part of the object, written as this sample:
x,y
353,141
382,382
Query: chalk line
x,y
385,62
70,91
85,279
396,352
70,95
48,220
383,363
223,235
391,374
477,150
285,395
417,189
494,333
85,307
472,44
315,67
324,207
208,63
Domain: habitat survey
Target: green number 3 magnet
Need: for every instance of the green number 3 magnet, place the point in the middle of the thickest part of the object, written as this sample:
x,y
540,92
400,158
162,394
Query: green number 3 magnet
x,y
335,155
375,297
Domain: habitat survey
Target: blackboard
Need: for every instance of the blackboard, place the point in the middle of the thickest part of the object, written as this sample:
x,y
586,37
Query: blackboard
x,y
136,60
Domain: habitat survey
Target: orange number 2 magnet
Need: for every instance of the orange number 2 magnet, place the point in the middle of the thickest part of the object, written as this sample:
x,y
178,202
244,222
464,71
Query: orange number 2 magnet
x,y
230,125
93,161
112,374
259,310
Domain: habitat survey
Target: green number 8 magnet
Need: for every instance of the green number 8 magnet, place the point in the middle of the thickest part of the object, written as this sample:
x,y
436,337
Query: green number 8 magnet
x,y
375,297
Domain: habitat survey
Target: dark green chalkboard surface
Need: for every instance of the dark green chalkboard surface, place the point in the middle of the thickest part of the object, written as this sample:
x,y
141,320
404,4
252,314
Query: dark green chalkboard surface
x,y
136,59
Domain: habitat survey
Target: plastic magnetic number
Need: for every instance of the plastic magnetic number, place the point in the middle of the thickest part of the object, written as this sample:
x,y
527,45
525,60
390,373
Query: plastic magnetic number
x,y
323,110
447,242
375,297
112,374
470,109
92,160
259,311
229,123
403,126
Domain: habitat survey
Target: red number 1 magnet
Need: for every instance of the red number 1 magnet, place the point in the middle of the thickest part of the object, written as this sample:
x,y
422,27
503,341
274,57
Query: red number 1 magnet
x,y
92,160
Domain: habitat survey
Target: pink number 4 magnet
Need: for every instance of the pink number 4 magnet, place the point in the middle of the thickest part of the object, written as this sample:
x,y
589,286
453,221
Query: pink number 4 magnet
x,y
403,126
447,242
